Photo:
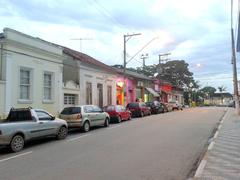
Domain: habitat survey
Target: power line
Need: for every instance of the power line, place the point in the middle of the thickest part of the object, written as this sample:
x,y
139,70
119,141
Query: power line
x,y
103,11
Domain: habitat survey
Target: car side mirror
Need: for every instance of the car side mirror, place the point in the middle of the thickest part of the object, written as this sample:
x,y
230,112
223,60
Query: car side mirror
x,y
53,118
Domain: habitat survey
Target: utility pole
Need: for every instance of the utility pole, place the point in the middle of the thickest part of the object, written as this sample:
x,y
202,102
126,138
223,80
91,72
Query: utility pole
x,y
80,40
125,40
143,57
161,60
235,81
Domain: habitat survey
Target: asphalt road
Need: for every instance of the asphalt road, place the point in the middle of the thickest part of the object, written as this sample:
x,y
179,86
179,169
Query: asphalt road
x,y
157,147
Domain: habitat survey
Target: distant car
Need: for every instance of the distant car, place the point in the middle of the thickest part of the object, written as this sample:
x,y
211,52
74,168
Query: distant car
x,y
85,117
175,105
165,106
117,113
24,124
139,109
156,107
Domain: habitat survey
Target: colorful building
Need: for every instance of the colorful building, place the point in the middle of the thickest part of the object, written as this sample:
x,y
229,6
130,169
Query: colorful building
x,y
134,86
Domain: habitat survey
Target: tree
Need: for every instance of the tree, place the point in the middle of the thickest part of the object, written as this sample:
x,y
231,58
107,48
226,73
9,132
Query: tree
x,y
221,89
175,72
208,92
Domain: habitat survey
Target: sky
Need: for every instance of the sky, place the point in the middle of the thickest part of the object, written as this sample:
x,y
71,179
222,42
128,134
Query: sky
x,y
197,31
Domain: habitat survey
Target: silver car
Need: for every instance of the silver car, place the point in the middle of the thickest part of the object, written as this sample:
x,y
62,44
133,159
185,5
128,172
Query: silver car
x,y
85,117
26,124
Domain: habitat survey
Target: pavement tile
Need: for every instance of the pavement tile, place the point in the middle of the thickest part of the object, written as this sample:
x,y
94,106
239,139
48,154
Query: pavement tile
x,y
223,161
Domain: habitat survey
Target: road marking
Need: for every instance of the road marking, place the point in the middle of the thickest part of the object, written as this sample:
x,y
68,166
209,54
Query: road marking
x,y
76,138
216,135
200,168
211,145
23,154
219,127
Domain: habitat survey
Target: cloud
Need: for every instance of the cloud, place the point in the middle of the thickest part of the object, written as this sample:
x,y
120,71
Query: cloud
x,y
196,31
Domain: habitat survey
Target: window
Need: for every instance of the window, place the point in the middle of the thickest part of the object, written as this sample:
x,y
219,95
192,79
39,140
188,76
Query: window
x,y
100,95
16,116
43,115
25,84
97,109
89,93
48,86
69,99
109,95
109,108
88,109
71,110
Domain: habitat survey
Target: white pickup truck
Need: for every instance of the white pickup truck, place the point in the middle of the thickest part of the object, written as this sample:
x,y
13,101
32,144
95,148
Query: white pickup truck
x,y
24,124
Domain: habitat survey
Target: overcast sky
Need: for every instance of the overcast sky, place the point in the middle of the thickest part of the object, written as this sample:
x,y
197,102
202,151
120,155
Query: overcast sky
x,y
197,31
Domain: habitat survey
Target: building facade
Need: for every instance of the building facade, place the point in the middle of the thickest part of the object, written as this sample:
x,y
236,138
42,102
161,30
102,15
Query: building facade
x,y
87,81
31,73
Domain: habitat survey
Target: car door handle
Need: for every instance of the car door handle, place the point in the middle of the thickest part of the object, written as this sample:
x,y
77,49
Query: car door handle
x,y
40,122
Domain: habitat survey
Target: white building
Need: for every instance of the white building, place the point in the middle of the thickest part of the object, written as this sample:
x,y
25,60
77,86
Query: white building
x,y
40,74
87,81
30,73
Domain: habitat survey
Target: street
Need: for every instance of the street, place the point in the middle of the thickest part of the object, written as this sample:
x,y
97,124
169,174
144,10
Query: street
x,y
163,146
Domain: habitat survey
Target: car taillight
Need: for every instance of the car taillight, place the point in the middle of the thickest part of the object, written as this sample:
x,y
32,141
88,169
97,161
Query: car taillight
x,y
79,116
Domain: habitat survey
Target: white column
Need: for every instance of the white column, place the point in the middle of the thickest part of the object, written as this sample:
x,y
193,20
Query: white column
x,y
60,103
8,86
79,82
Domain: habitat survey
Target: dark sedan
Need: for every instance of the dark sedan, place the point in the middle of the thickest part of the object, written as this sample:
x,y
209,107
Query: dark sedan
x,y
156,107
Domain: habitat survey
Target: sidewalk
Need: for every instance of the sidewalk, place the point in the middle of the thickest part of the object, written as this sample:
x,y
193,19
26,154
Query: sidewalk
x,y
222,160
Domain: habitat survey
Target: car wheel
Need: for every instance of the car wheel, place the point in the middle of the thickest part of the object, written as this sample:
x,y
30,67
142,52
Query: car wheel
x,y
119,119
130,117
86,126
106,124
17,143
62,133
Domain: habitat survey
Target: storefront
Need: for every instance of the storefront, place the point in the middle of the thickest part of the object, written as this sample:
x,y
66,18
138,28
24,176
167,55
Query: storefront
x,y
120,92
150,95
166,90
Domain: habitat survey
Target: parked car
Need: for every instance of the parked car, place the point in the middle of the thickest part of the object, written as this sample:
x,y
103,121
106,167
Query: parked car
x,y
25,124
118,113
139,109
165,106
156,107
85,117
175,105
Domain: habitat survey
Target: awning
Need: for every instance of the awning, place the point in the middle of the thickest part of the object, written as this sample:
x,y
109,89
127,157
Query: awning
x,y
154,93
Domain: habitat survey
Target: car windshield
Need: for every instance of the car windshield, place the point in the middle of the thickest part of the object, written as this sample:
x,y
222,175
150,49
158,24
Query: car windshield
x,y
109,108
71,110
133,105
149,103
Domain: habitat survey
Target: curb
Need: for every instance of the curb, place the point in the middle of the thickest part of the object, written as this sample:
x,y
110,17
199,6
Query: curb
x,y
203,162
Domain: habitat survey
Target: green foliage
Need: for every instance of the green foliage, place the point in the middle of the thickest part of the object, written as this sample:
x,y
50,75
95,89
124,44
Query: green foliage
x,y
208,91
222,88
175,72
